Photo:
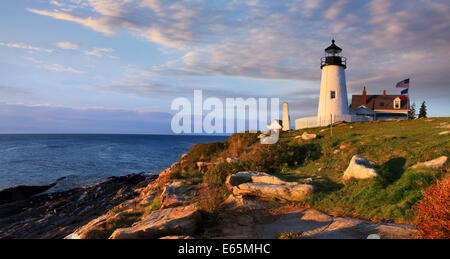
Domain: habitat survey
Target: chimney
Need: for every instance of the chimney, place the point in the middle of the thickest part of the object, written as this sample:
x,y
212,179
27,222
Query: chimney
x,y
364,100
384,92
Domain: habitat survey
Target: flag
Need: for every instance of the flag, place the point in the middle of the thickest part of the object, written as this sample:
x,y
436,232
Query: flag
x,y
403,98
405,91
403,84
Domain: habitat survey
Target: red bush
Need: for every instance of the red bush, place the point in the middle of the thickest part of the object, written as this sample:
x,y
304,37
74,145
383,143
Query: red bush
x,y
433,211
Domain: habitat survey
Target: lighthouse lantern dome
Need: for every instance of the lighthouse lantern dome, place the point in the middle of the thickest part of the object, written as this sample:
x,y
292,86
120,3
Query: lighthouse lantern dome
x,y
333,56
333,49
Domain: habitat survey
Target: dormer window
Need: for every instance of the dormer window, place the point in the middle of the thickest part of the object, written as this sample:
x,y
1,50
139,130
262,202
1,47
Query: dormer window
x,y
397,103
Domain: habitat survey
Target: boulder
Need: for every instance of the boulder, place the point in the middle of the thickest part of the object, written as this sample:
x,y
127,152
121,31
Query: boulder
x,y
254,177
307,136
160,223
433,164
359,168
444,126
297,192
98,224
264,185
177,194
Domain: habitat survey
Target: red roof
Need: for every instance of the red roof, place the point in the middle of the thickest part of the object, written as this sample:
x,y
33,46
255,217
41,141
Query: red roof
x,y
377,102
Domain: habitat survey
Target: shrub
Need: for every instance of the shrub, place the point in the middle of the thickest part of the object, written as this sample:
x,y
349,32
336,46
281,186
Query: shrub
x,y
433,211
290,235
152,206
217,175
204,151
237,143
272,158
211,199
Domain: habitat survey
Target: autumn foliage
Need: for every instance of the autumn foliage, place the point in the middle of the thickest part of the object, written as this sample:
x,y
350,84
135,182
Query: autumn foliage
x,y
433,211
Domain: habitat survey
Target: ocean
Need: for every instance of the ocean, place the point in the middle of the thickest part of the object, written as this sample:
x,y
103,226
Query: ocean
x,y
83,159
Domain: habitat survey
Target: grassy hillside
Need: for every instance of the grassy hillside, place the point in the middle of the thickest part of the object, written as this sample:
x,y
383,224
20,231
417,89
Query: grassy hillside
x,y
391,146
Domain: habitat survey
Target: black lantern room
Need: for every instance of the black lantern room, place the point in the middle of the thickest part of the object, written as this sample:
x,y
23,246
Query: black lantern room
x,y
333,56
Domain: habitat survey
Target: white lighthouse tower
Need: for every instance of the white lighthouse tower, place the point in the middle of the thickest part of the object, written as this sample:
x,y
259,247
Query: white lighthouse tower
x,y
333,102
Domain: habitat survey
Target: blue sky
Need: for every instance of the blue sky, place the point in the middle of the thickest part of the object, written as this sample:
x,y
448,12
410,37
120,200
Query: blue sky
x,y
108,66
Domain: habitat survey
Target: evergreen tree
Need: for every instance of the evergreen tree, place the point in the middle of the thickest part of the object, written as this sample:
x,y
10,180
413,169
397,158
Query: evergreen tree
x,y
412,112
423,110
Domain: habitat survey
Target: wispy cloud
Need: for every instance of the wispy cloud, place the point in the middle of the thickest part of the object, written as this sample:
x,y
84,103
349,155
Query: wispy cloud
x,y
283,40
54,67
68,45
61,68
98,52
24,46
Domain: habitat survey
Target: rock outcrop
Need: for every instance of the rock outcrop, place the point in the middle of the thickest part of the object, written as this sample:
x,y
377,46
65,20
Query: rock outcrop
x,y
359,168
231,159
297,192
433,164
57,214
177,237
307,136
254,177
178,193
160,223
96,226
21,192
267,186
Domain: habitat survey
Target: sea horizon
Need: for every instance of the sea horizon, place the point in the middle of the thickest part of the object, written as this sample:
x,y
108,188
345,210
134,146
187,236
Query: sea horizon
x,y
83,159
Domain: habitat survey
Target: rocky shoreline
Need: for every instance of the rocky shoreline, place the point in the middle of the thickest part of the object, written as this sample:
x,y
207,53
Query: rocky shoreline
x,y
247,213
31,212
258,205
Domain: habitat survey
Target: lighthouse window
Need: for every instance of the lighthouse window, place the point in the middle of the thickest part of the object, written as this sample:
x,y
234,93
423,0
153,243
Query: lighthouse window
x,y
332,94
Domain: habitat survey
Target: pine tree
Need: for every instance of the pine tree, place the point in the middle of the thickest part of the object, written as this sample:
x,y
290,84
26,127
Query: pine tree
x,y
423,110
412,112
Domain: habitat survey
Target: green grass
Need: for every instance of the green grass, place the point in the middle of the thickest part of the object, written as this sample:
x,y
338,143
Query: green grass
x,y
392,147
152,206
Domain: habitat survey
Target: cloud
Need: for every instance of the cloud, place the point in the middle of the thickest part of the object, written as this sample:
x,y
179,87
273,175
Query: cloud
x,y
38,118
100,25
54,67
68,45
383,40
61,68
98,52
24,46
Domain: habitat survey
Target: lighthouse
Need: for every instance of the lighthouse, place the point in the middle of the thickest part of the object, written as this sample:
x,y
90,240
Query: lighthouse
x,y
333,102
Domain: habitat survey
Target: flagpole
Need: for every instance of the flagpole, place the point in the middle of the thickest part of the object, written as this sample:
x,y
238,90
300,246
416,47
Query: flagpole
x,y
407,101
407,115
